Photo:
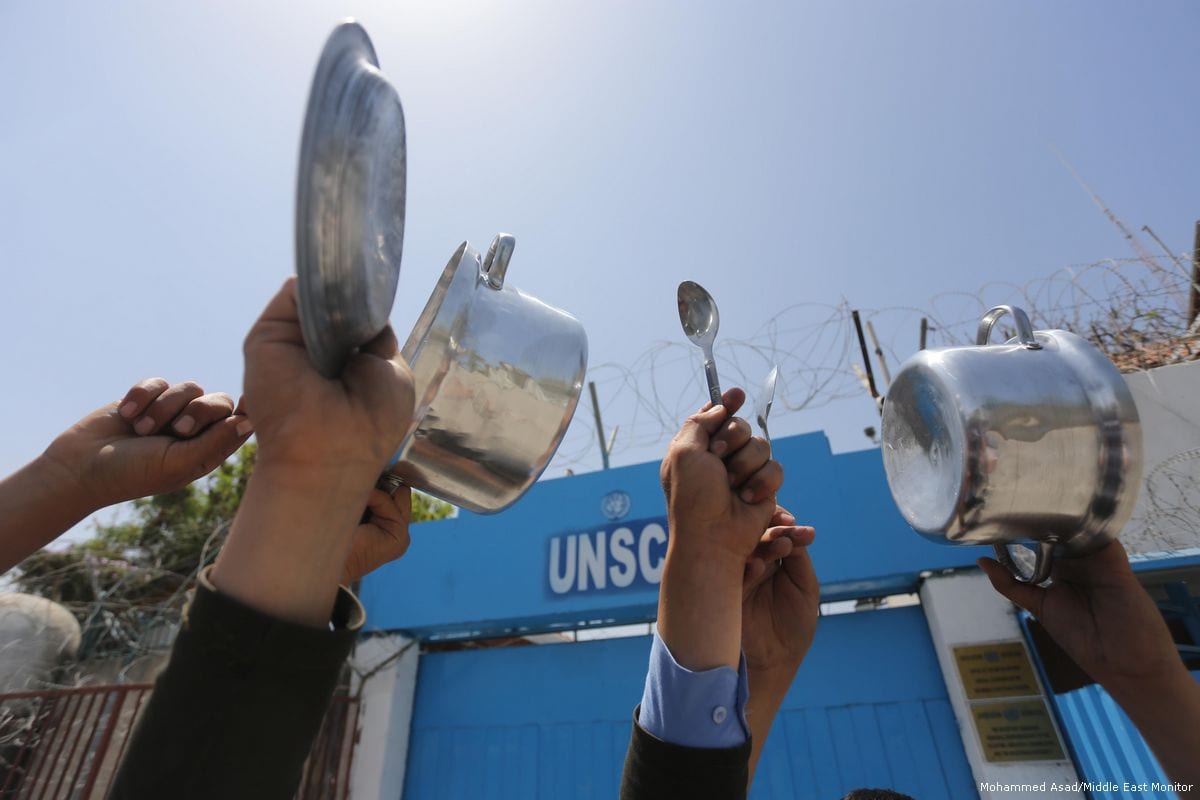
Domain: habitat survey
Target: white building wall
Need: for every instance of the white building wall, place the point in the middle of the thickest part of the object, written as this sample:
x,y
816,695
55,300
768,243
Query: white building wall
x,y
963,609
1167,514
389,664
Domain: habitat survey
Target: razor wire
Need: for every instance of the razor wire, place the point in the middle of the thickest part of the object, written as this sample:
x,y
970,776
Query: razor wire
x,y
1135,310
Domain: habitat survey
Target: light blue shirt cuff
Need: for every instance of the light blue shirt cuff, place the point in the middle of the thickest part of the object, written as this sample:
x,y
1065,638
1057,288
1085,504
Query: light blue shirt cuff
x,y
694,709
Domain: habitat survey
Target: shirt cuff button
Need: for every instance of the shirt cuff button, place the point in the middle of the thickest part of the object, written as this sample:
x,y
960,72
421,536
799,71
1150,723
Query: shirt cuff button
x,y
719,714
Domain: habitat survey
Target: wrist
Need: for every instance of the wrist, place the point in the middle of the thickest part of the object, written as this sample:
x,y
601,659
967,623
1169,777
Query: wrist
x,y
62,477
288,546
700,610
1156,688
771,682
713,543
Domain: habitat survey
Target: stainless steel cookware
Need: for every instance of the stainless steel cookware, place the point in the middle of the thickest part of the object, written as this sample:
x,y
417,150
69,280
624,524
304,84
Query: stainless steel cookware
x,y
498,375
1033,441
700,319
349,201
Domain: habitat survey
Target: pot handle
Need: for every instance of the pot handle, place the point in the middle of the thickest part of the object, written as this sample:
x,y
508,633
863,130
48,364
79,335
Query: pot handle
x,y
1041,568
495,263
1024,329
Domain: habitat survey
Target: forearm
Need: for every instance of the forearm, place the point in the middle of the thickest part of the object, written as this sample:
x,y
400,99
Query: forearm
x,y
37,503
700,609
1166,712
767,690
289,542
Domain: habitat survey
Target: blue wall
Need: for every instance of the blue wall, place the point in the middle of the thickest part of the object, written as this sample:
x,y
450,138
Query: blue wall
x,y
491,574
868,708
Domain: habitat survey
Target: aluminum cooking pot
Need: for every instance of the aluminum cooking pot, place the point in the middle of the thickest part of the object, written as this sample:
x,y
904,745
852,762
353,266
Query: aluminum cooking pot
x,y
497,375
1035,441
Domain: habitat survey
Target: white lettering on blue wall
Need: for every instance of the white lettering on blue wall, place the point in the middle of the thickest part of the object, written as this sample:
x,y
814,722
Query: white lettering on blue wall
x,y
628,557
591,561
561,579
620,548
651,534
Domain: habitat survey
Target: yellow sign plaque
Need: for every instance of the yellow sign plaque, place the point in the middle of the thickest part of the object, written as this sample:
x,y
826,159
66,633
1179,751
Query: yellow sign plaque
x,y
996,670
1016,731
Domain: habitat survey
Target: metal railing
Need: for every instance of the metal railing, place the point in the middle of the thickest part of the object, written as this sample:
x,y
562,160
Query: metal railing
x,y
66,744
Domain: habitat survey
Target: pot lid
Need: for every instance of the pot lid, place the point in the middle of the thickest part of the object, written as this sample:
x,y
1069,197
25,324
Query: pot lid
x,y
349,201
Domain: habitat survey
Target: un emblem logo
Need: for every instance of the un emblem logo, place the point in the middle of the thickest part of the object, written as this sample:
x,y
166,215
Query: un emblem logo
x,y
615,505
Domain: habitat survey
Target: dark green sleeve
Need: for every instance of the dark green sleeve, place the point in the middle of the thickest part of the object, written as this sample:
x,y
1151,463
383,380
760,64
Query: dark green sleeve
x,y
235,712
658,769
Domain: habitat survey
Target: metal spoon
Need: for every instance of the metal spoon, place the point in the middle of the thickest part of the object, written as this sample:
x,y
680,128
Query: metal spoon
x,y
762,407
700,319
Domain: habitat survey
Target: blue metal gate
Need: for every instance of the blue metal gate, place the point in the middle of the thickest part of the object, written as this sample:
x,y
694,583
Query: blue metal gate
x,y
868,708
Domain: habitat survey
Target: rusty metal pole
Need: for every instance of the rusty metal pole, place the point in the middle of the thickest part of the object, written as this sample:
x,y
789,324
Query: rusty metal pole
x,y
1194,305
599,424
862,345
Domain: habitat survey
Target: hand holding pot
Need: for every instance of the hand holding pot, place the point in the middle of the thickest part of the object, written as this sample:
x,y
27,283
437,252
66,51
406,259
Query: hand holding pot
x,y
322,442
304,421
1098,612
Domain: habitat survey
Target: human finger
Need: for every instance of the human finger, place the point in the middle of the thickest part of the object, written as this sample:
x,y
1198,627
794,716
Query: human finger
x,y
798,563
383,345
746,462
782,517
279,320
196,457
730,437
1025,595
141,395
763,484
710,417
202,412
166,407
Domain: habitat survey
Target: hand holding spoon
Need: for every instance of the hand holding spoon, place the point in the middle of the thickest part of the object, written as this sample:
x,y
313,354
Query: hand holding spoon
x,y
700,319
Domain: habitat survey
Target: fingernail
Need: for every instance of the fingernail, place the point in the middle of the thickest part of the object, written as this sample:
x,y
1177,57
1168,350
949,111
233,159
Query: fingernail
x,y
719,447
748,495
788,518
128,409
144,425
184,425
245,428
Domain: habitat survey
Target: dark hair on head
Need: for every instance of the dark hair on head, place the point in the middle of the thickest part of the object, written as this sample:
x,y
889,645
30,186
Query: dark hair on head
x,y
875,794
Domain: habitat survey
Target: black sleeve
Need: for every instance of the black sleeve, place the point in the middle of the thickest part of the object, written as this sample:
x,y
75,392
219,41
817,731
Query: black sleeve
x,y
657,769
235,712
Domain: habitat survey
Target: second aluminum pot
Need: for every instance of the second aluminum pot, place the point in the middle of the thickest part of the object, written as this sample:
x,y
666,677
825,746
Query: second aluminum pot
x,y
497,374
1035,441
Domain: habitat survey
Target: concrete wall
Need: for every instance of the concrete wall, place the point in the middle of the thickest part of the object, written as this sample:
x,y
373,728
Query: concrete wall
x,y
1167,515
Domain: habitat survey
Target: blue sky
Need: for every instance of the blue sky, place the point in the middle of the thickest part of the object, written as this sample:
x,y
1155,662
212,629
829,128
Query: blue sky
x,y
877,153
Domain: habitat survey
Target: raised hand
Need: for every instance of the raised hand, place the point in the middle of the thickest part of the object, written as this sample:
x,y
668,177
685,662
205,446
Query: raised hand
x,y
720,484
781,598
322,444
383,537
159,438
717,478
780,603
1098,612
